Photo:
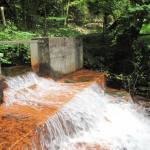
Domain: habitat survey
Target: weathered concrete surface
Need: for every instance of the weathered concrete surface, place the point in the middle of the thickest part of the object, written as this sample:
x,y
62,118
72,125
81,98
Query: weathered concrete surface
x,y
44,56
66,55
34,55
56,56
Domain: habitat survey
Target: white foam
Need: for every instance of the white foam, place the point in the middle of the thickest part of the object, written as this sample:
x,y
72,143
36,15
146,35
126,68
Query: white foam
x,y
20,91
94,118
91,117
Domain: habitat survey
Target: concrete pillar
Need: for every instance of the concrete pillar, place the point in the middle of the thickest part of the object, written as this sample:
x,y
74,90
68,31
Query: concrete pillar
x,y
56,56
66,55
44,56
34,55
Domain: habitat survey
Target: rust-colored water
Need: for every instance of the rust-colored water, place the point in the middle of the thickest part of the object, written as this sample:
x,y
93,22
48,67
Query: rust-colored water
x,y
18,123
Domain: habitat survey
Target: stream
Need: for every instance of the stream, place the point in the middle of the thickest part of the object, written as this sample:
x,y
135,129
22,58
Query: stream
x,y
90,120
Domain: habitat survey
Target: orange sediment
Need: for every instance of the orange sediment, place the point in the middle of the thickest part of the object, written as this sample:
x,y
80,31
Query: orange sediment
x,y
18,123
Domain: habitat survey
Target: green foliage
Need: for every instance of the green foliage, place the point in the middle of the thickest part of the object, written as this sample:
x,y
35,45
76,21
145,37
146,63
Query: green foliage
x,y
56,18
113,7
66,31
11,33
140,74
94,7
145,29
126,56
15,54
70,31
138,7
77,11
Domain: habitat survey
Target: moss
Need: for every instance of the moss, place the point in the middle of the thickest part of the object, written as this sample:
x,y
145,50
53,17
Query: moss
x,y
84,79
69,81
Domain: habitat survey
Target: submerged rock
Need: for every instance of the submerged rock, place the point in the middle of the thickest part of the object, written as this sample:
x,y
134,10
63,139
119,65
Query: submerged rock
x,y
2,86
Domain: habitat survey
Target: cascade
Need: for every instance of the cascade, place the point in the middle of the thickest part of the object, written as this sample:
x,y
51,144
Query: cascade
x,y
90,120
97,119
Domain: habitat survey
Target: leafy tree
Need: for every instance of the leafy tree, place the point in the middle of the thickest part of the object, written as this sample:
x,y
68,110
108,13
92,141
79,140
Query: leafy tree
x,y
76,10
106,8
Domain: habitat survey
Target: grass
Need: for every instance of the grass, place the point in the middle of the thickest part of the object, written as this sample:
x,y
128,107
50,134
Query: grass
x,y
63,32
12,33
70,31
56,18
145,29
69,81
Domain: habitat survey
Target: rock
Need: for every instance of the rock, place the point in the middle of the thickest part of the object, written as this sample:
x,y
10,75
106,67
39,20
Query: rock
x,y
2,79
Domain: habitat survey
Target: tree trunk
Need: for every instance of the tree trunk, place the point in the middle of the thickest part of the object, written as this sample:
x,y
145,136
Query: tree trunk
x,y
105,22
3,16
67,13
45,21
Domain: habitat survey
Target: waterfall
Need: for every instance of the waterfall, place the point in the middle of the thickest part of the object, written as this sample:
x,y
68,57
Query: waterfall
x,y
29,89
92,120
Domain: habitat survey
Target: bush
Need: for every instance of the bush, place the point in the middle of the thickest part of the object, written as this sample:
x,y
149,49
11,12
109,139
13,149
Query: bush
x,y
12,33
15,54
145,29
126,68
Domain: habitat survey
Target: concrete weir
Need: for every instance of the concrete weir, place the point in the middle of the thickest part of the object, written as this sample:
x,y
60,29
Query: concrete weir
x,y
56,56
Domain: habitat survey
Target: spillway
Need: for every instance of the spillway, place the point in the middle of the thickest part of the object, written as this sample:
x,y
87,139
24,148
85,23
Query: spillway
x,y
42,114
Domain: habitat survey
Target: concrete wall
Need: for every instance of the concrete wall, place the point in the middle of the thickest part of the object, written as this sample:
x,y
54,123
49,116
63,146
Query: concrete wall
x,y
66,55
56,56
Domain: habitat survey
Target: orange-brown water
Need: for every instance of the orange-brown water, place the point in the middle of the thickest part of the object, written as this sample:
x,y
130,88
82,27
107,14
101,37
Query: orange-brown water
x,y
18,123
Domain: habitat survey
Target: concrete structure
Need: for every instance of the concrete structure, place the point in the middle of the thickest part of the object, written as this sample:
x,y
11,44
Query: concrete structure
x,y
56,56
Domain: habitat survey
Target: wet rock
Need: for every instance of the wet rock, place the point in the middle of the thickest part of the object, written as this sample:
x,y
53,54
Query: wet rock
x,y
1,88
